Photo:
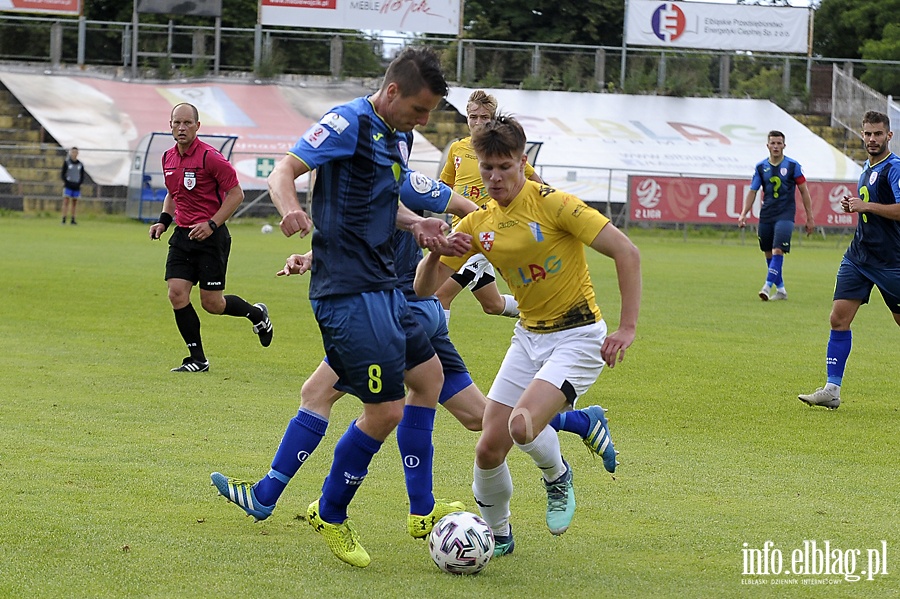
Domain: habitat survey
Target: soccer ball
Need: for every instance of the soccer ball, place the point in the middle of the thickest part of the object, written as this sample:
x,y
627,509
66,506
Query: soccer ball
x,y
267,228
461,543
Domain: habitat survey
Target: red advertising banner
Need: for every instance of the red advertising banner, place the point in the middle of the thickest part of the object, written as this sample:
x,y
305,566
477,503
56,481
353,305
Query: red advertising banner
x,y
719,201
69,7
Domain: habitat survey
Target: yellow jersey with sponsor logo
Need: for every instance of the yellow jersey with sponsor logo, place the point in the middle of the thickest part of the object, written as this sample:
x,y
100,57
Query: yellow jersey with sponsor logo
x,y
461,173
537,244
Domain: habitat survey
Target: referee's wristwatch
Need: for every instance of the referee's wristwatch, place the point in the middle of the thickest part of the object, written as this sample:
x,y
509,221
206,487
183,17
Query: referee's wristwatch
x,y
212,225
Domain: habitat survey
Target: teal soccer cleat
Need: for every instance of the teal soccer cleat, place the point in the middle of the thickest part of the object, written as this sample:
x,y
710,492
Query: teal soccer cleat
x,y
504,545
560,502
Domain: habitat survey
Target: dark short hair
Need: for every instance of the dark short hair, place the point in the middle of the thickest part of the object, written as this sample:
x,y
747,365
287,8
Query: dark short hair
x,y
502,136
415,68
873,116
193,109
775,133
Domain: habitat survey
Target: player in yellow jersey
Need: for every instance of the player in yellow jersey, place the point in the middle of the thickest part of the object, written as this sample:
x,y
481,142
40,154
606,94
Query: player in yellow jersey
x,y
461,173
535,236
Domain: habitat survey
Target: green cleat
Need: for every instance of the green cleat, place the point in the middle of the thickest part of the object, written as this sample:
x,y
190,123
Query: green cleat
x,y
504,545
560,502
342,539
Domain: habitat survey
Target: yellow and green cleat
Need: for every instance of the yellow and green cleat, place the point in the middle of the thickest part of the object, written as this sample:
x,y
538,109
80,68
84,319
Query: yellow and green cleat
x,y
420,526
342,539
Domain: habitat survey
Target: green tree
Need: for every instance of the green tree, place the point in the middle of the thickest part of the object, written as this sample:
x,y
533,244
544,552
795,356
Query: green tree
x,y
591,22
884,78
843,27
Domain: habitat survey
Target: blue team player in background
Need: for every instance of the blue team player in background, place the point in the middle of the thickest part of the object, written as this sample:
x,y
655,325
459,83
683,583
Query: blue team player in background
x,y
778,176
360,151
873,258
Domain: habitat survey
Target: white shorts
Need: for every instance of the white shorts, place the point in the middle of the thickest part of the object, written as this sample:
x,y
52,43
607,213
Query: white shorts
x,y
476,267
569,360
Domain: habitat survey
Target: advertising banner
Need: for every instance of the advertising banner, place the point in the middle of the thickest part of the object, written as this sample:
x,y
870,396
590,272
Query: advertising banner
x,y
414,16
698,200
59,7
780,29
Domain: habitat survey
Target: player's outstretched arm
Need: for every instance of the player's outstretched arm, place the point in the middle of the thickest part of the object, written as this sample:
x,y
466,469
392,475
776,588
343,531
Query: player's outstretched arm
x,y
284,195
430,275
613,243
460,205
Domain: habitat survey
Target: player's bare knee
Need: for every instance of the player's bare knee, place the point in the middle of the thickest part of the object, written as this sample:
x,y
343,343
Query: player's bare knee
x,y
486,456
212,305
179,299
472,422
521,426
314,398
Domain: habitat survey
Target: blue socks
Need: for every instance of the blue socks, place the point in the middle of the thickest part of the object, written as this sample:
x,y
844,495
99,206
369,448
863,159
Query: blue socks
x,y
302,436
352,455
574,421
839,344
414,440
775,266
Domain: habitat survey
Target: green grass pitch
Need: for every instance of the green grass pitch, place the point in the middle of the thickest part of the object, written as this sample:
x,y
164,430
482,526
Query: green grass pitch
x,y
105,455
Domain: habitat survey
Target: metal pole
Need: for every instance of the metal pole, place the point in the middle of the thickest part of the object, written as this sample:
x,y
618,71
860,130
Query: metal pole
x,y
257,48
216,58
134,41
82,33
624,46
459,60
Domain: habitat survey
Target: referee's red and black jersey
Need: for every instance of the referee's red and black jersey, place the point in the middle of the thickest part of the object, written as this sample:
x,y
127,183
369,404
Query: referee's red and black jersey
x,y
197,181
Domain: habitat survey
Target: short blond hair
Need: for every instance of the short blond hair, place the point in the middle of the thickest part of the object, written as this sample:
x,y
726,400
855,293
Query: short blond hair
x,y
482,98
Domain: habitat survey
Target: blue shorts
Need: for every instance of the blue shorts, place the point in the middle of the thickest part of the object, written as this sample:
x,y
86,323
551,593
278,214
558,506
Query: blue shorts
x,y
775,235
855,282
430,315
367,338
71,193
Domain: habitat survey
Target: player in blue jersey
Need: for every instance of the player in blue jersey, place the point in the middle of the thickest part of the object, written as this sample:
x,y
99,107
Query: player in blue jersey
x,y
360,150
778,176
322,389
873,258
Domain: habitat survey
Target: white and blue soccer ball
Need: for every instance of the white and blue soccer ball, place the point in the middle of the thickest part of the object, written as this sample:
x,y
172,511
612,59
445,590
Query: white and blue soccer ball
x,y
267,228
461,543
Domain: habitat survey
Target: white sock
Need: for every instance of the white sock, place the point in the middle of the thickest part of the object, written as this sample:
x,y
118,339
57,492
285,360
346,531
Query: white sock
x,y
833,389
493,489
511,307
545,452
447,316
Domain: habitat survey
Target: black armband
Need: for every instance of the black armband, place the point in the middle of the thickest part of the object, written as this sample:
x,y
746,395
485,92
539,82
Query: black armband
x,y
212,225
165,219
